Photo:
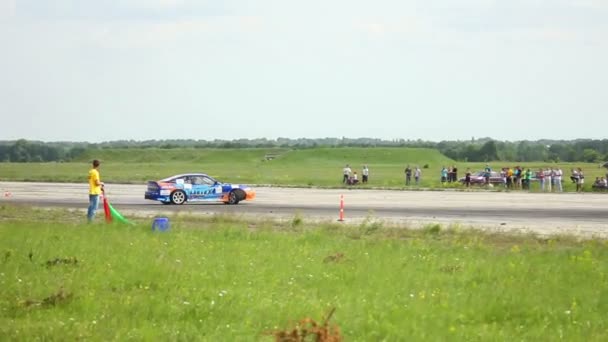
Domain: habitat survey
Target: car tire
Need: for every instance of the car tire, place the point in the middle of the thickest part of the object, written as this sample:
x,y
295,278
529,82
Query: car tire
x,y
233,198
178,197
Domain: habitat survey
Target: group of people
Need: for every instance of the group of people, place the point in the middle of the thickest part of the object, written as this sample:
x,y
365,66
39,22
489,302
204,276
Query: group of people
x,y
549,179
408,175
578,177
351,178
600,182
518,178
449,175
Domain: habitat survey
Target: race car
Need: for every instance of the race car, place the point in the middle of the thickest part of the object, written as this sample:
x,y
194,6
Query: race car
x,y
196,187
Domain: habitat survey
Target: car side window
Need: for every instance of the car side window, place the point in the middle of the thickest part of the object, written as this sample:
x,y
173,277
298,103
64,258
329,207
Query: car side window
x,y
207,181
196,180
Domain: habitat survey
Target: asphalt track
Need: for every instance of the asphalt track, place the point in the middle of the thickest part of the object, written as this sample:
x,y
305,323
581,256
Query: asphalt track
x,y
543,213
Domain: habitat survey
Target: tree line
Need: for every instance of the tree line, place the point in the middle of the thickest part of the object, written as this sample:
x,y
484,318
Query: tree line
x,y
474,150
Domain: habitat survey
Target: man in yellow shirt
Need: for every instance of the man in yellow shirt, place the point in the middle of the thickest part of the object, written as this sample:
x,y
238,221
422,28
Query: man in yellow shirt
x,y
95,189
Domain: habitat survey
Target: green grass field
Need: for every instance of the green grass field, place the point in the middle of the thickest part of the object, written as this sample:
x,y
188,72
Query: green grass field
x,y
305,167
223,279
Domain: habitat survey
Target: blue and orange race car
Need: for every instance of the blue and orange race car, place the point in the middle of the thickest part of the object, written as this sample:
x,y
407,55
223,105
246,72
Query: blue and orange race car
x,y
196,187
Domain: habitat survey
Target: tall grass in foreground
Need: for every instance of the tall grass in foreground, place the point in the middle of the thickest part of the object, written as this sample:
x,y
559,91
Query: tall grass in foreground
x,y
221,279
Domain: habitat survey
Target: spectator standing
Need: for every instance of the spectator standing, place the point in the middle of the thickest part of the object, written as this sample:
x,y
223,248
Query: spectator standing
x,y
408,175
558,179
454,173
444,175
509,178
581,180
365,174
346,173
527,179
487,172
518,176
541,179
417,174
95,190
548,179
574,176
467,178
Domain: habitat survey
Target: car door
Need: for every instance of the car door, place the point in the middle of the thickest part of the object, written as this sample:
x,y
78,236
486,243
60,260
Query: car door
x,y
199,188
497,178
214,189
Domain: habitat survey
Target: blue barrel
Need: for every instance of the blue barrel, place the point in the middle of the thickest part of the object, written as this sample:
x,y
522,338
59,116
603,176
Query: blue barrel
x,y
160,224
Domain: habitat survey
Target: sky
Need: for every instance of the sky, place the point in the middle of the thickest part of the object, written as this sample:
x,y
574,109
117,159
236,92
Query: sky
x,y
90,70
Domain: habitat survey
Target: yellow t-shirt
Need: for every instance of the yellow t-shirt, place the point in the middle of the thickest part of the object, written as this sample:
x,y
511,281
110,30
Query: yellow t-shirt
x,y
94,189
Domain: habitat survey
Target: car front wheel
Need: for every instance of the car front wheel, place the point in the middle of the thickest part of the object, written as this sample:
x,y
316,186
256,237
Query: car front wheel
x,y
178,197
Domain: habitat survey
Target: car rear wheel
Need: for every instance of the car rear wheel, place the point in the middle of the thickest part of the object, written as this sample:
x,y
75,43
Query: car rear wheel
x,y
178,197
233,198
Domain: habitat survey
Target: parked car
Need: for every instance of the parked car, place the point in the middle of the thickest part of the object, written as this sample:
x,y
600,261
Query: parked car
x,y
478,178
196,187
